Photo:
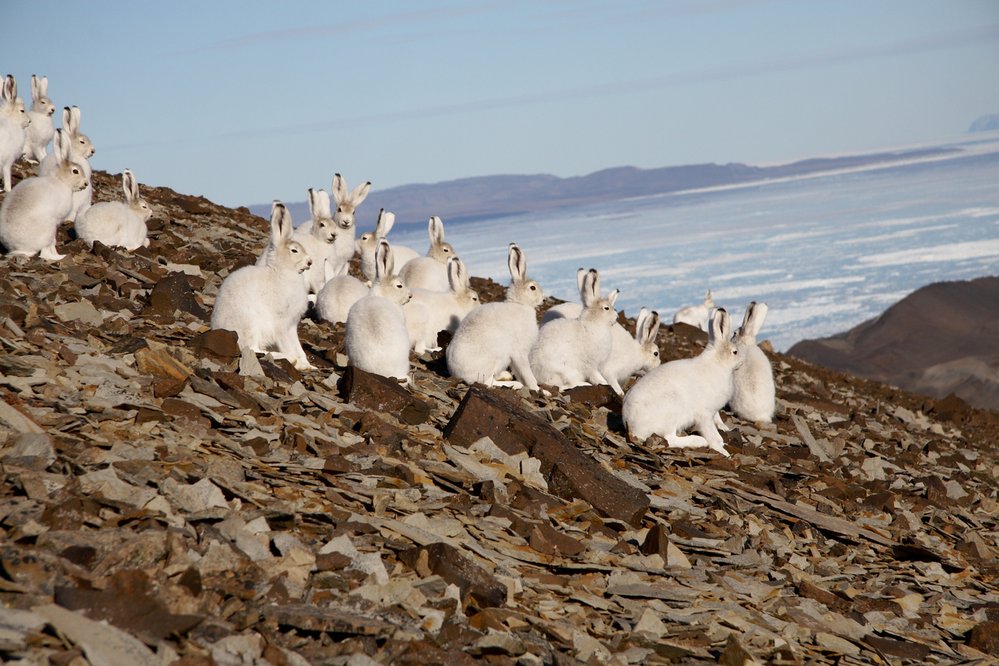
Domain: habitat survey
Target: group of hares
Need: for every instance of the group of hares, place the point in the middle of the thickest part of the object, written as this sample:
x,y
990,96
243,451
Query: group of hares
x,y
388,312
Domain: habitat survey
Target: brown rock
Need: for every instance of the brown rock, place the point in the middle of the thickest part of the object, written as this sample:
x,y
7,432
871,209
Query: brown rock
x,y
217,344
475,583
569,473
172,293
985,638
897,648
655,542
382,394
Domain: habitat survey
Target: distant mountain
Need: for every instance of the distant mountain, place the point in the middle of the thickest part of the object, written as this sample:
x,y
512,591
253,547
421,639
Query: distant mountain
x,y
986,123
470,199
940,339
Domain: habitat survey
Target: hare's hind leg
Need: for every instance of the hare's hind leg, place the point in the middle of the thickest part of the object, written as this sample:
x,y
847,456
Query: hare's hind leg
x,y
719,423
712,438
522,370
50,253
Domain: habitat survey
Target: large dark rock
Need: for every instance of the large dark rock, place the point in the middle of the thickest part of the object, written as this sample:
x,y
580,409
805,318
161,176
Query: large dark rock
x,y
570,473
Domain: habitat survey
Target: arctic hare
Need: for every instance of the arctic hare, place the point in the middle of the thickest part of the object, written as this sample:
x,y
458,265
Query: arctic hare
x,y
754,398
696,315
430,272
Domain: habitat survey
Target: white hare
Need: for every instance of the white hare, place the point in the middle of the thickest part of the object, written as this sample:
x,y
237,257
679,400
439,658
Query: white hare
x,y
430,272
32,212
754,397
14,123
367,243
338,295
376,339
686,393
264,304
573,351
116,223
629,353
41,130
317,237
497,336
430,312
696,315
343,217
82,149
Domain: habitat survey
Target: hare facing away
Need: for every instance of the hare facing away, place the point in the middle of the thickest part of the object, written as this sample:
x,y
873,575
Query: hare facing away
x,y
696,315
430,272
754,395
376,340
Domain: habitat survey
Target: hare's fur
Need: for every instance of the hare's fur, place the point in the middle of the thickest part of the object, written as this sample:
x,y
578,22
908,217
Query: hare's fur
x,y
116,223
573,352
430,272
754,396
696,315
367,243
32,212
14,123
430,312
376,339
41,130
264,304
686,393
497,336
81,150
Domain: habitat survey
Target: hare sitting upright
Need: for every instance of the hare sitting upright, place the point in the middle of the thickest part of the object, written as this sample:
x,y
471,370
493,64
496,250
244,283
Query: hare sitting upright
x,y
32,212
14,124
754,397
41,130
367,244
696,315
81,149
376,340
264,304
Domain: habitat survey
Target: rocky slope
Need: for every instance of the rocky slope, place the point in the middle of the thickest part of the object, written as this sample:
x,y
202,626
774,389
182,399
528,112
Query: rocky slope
x,y
938,340
165,500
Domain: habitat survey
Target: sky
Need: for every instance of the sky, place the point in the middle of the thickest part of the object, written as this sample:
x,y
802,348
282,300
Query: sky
x,y
245,102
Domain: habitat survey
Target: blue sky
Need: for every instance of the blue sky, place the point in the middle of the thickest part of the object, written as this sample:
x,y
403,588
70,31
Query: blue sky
x,y
245,102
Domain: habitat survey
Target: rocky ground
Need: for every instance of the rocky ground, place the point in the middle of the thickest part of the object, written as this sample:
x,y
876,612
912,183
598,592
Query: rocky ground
x,y
165,500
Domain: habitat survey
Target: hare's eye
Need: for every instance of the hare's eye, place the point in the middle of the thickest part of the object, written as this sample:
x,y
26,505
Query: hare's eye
x,y
655,353
398,286
81,140
76,171
533,288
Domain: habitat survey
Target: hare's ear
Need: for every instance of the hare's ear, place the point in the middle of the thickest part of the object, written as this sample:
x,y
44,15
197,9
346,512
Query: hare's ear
x,y
384,262
71,119
517,263
580,274
457,276
128,186
9,88
709,299
756,313
328,272
61,145
322,204
721,326
643,312
612,297
386,221
360,193
590,291
280,224
43,86
435,229
35,92
312,204
339,189
650,328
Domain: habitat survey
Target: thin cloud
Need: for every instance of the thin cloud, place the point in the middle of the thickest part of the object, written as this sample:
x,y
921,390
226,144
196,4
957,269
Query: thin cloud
x,y
926,43
347,27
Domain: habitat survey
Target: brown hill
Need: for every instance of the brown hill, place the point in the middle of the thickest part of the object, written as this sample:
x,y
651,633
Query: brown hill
x,y
940,339
159,493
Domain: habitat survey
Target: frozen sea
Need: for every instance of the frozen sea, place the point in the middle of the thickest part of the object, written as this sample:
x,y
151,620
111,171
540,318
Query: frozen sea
x,y
824,252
